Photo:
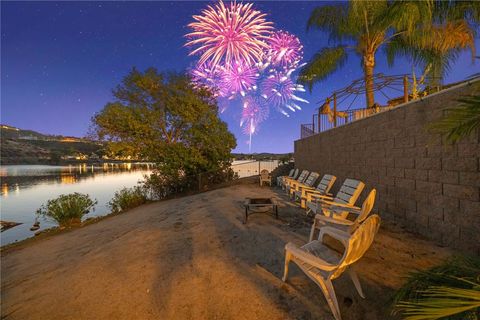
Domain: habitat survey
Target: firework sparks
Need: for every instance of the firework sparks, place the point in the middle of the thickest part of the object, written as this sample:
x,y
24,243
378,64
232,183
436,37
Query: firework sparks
x,y
238,78
206,77
227,34
285,49
253,113
279,91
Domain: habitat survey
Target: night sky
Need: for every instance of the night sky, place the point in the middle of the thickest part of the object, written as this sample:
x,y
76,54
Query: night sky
x,y
59,62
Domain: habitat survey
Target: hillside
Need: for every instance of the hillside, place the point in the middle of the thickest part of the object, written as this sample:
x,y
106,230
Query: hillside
x,y
20,146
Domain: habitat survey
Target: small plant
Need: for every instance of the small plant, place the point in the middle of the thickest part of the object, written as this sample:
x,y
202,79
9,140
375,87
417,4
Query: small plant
x,y
128,198
68,209
449,291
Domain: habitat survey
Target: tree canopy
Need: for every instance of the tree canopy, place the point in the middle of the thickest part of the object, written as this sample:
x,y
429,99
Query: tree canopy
x,y
162,118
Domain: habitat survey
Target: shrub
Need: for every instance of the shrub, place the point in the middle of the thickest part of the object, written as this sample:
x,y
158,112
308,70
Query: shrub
x,y
128,198
448,291
68,209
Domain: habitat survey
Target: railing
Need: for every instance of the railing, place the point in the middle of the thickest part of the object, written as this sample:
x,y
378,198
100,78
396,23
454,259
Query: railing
x,y
251,168
337,110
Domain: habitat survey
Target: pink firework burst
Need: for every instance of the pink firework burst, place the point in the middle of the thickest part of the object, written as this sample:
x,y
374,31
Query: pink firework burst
x,y
253,113
285,49
224,34
204,76
279,90
238,78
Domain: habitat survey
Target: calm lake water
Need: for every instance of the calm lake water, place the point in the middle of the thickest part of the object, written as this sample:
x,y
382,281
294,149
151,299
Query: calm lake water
x,y
24,188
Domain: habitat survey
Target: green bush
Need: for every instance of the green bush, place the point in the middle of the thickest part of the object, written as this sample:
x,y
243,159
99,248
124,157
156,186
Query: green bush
x,y
128,198
448,291
67,209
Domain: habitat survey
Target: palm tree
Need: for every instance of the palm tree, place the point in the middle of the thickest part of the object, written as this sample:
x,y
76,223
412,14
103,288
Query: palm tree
x,y
366,26
460,121
455,25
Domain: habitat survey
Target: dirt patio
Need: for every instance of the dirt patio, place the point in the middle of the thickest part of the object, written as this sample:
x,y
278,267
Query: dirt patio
x,y
192,258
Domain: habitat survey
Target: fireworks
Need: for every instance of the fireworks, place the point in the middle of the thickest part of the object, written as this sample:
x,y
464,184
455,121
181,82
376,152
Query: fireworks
x,y
285,49
253,113
279,91
242,56
228,34
239,78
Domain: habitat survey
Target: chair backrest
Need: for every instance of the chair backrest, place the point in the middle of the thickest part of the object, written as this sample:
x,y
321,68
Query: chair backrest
x,y
291,172
326,183
359,242
264,173
295,174
311,179
367,207
349,191
303,176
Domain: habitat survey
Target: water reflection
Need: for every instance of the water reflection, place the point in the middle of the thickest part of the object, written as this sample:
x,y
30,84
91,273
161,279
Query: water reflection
x,y
24,188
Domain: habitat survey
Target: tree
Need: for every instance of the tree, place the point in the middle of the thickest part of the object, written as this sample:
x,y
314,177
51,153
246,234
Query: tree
x,y
161,118
453,30
366,26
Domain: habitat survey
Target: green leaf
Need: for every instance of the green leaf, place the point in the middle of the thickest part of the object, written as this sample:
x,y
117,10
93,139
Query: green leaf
x,y
324,63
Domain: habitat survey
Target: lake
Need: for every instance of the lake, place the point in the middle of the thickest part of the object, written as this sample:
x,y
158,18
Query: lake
x,y
24,188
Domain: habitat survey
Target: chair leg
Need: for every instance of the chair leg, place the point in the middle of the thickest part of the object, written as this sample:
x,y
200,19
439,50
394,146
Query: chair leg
x,y
356,281
329,293
312,231
288,257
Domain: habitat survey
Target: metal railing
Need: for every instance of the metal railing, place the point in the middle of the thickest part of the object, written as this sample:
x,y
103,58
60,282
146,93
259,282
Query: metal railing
x,y
337,109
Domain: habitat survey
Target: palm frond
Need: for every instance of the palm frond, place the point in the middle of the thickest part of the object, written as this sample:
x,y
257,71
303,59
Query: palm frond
x,y
407,16
461,121
324,63
450,288
332,19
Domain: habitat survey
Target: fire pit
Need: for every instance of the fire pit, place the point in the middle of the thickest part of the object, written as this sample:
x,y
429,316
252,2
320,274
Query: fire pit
x,y
252,205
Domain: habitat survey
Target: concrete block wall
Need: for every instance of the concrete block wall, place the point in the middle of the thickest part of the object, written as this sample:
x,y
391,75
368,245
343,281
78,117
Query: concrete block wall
x,y
430,187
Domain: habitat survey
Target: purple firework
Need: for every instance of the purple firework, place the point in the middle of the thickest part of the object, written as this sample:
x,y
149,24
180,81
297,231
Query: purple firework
x,y
238,78
204,76
253,113
285,49
279,91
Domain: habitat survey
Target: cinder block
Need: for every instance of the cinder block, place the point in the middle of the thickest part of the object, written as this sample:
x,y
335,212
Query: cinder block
x,y
461,192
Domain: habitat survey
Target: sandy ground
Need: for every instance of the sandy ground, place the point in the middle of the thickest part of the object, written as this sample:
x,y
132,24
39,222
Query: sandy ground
x,y
192,258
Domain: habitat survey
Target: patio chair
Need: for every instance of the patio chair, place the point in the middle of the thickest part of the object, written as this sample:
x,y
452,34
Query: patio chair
x,y
341,223
346,197
322,264
265,177
280,178
301,178
322,188
307,183
284,179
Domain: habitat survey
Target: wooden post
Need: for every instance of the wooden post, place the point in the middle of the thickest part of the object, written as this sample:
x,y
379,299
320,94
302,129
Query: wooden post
x,y
335,110
313,123
199,182
405,88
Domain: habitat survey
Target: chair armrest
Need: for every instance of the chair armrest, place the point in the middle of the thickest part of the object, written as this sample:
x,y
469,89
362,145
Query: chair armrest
x,y
322,218
309,258
339,235
354,210
337,204
314,196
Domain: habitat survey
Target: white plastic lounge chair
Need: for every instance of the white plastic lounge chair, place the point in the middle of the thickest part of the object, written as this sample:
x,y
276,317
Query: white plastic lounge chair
x,y
280,178
322,189
322,264
308,183
346,197
301,179
341,223
285,179
265,177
